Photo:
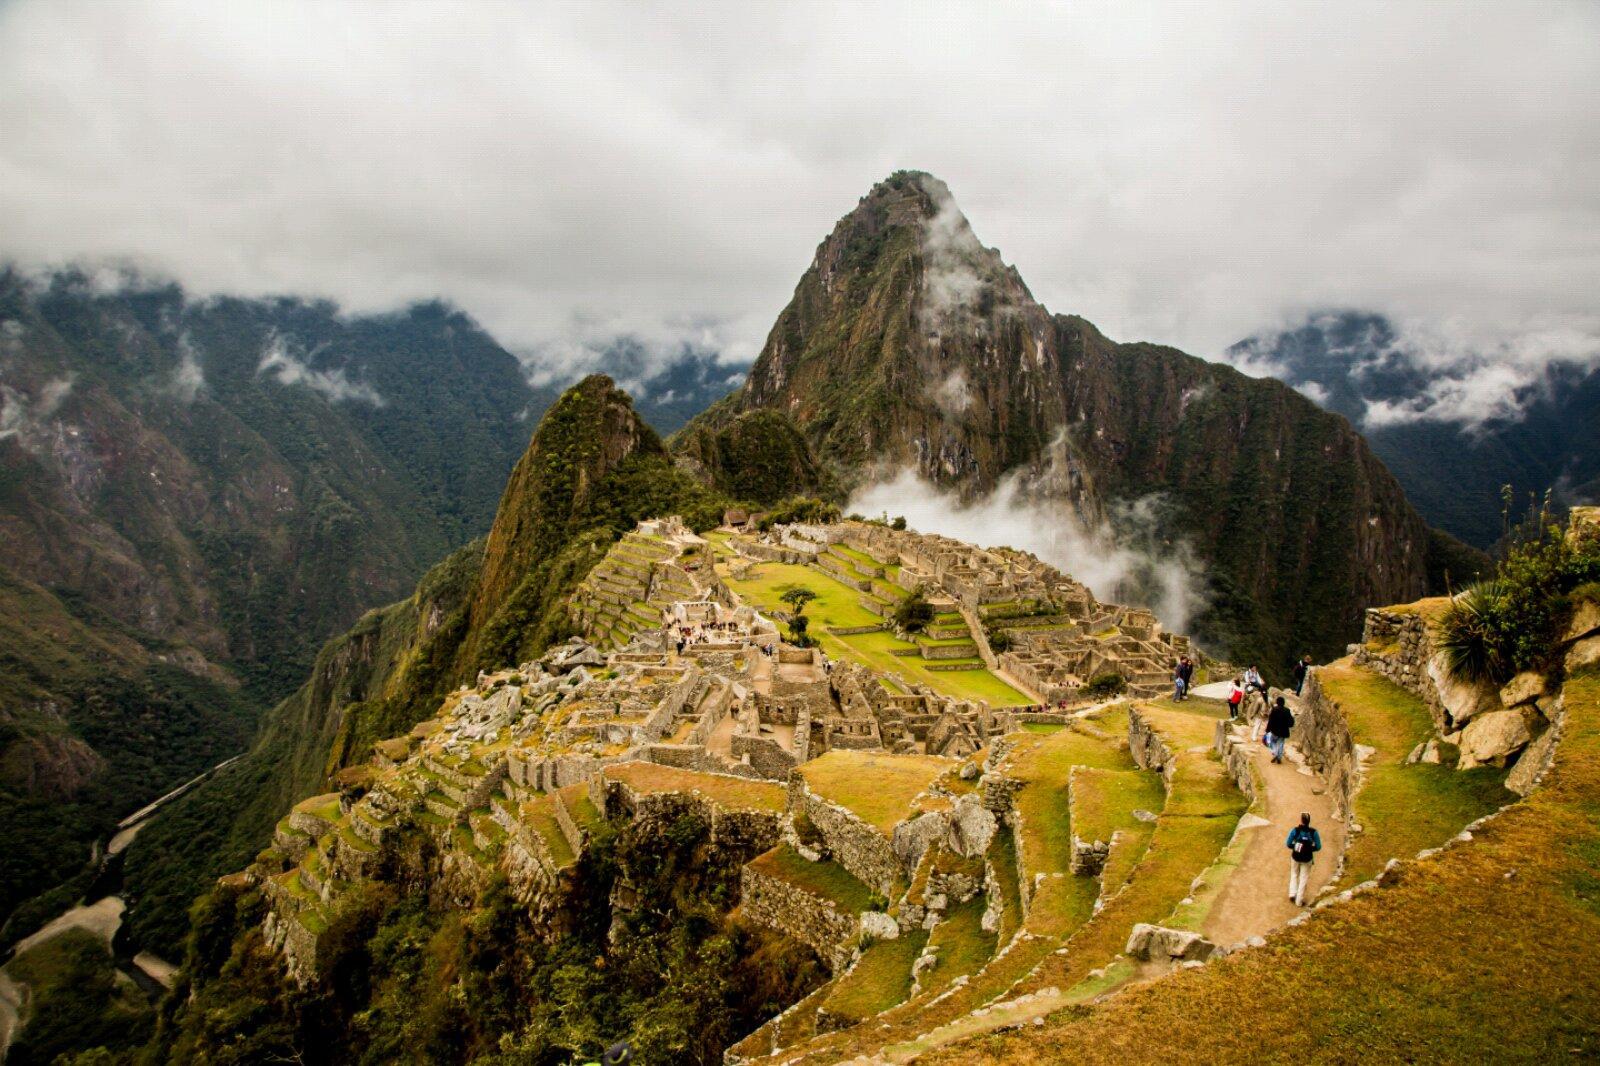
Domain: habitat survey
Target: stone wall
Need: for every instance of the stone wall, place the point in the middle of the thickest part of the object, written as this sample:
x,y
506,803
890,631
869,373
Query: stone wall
x,y
1324,739
812,920
1149,751
852,843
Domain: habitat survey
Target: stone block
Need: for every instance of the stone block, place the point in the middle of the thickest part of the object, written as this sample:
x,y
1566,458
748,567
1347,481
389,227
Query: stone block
x,y
1524,688
1492,738
1582,655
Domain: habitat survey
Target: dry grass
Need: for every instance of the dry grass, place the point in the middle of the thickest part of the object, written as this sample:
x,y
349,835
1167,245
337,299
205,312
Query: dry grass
x,y
875,787
826,879
1481,952
732,792
1103,801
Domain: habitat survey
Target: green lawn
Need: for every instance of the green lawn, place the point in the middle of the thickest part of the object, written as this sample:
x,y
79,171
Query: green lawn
x,y
826,879
1044,763
1103,801
839,606
1402,809
880,980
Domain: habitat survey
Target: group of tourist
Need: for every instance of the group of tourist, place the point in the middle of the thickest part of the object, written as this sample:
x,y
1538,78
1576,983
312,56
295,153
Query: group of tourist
x,y
1303,841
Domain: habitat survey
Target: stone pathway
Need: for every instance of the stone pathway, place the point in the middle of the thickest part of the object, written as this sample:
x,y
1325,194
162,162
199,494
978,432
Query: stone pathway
x,y
1255,899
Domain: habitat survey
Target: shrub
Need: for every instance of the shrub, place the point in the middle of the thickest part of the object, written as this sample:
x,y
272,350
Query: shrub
x,y
1512,622
999,640
899,522
913,613
1104,685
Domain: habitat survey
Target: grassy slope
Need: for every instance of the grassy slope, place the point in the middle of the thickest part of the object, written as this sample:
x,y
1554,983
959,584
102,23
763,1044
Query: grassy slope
x,y
1433,967
733,792
1402,809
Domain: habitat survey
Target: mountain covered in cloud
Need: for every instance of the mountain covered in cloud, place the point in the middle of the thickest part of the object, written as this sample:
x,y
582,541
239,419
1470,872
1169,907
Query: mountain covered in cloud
x,y
912,355
1453,434
195,494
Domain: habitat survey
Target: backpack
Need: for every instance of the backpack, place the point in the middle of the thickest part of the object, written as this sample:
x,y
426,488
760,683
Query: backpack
x,y
1304,848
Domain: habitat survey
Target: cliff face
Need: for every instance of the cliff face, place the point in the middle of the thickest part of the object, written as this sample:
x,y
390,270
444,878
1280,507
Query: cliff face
x,y
910,344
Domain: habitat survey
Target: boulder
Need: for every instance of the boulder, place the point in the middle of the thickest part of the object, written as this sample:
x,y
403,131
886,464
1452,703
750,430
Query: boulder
x,y
1156,942
1585,620
1535,759
972,826
879,926
1524,688
1491,738
1463,700
913,837
1585,653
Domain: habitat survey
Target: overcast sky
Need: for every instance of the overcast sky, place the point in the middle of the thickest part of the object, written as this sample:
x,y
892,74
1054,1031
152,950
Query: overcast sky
x,y
1189,173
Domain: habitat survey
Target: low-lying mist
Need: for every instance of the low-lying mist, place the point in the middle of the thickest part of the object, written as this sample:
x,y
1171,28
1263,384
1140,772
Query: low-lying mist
x,y
1123,560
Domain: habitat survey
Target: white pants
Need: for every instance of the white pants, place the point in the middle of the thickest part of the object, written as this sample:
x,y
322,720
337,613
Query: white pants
x,y
1299,880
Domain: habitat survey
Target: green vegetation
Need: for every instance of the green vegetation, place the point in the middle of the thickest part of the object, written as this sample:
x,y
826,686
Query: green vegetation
x,y
875,787
1512,621
962,944
78,1000
914,613
838,606
1402,809
880,979
1104,686
826,879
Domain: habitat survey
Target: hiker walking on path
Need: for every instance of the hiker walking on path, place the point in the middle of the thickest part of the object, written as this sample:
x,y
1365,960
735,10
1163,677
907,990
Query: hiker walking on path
x,y
1280,721
1301,668
1177,682
1235,699
1304,842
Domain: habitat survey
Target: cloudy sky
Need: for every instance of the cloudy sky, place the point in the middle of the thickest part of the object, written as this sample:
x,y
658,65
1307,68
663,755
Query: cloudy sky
x,y
1190,173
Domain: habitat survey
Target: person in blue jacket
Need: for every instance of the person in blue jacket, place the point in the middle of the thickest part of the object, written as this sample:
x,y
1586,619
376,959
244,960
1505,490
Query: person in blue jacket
x,y
1304,842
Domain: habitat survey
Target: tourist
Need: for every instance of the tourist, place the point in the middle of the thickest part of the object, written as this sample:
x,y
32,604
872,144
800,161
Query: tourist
x,y
1252,680
1186,669
1177,682
1235,699
1279,723
1304,842
1301,668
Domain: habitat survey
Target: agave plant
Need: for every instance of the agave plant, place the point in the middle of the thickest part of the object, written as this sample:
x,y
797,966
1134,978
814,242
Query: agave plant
x,y
1471,633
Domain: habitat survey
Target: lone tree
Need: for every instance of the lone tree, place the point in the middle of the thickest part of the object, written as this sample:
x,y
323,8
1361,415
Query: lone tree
x,y
914,613
797,596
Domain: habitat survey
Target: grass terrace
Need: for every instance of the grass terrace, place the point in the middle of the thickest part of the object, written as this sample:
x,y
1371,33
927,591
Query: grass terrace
x,y
540,814
722,789
1431,967
1402,809
1103,801
828,879
879,980
876,787
838,606
962,943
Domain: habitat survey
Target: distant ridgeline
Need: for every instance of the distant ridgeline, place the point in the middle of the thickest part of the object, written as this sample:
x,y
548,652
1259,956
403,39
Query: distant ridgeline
x,y
194,496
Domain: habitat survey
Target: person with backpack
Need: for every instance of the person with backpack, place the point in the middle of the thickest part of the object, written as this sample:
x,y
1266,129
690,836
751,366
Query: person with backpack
x,y
1177,682
1280,720
1304,842
1235,700
1301,669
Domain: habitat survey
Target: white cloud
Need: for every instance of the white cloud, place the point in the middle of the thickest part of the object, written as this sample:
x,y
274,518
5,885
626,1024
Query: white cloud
x,y
289,369
1313,391
953,395
28,418
188,377
571,172
1122,560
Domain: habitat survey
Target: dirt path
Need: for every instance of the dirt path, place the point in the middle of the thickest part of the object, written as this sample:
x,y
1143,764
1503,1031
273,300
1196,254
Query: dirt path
x,y
1255,899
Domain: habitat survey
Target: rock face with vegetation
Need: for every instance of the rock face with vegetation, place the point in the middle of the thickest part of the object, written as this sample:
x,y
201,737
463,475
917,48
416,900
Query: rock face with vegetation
x,y
592,469
909,344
